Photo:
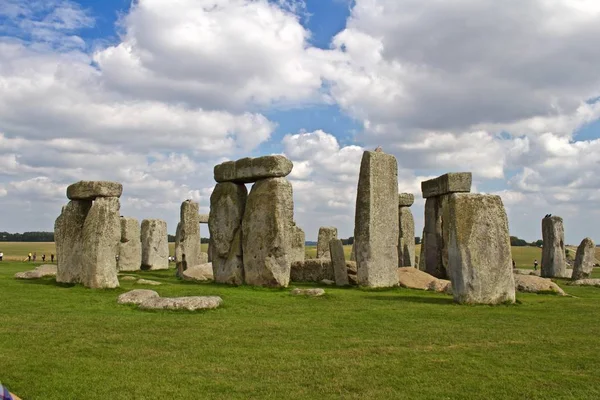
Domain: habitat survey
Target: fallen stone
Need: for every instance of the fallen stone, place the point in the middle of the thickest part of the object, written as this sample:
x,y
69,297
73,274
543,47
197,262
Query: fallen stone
x,y
308,292
155,246
327,282
128,278
147,282
191,303
584,260
440,286
68,235
536,284
136,296
326,234
248,170
312,270
406,199
553,253
130,246
338,262
42,271
412,278
200,273
90,190
452,182
585,282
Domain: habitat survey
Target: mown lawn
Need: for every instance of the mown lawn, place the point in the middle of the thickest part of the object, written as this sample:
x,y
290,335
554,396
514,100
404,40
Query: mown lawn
x,y
59,342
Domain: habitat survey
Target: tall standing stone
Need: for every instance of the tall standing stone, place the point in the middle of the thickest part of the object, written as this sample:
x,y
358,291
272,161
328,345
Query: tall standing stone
x,y
155,246
68,235
479,253
553,252
298,252
584,260
227,206
130,247
406,239
266,233
376,222
338,260
187,235
101,237
326,233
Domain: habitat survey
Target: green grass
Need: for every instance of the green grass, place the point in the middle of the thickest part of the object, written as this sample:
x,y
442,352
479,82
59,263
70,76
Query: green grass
x,y
68,342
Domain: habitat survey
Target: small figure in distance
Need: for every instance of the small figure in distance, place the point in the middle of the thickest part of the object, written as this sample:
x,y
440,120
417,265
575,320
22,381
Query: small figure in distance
x,y
34,256
1,255
29,257
514,265
43,257
535,264
52,257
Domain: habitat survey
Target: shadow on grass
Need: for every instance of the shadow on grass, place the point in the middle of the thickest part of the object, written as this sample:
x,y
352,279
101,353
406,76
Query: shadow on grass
x,y
414,299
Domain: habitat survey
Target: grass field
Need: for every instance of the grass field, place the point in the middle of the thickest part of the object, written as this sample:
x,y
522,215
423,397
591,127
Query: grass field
x,y
61,342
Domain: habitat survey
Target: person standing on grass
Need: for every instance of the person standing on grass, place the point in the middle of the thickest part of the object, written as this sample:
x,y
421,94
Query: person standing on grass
x,y
29,257
1,255
43,258
34,256
535,264
51,257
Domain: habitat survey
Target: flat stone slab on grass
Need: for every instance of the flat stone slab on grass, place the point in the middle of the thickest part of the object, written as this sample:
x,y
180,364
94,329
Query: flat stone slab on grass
x,y
137,296
38,272
536,284
413,278
585,282
90,190
191,303
200,273
128,278
248,170
308,292
147,282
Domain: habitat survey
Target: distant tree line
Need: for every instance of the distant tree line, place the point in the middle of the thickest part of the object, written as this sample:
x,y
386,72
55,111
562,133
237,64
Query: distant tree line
x,y
515,241
171,239
27,237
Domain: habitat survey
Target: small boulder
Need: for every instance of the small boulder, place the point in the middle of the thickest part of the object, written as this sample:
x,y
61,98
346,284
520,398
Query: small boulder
x,y
137,296
535,284
128,278
585,282
327,282
147,282
39,272
191,303
200,273
308,292
440,286
413,278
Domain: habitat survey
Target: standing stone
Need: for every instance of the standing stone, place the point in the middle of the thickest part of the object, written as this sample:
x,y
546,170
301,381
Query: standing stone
x,y
422,266
130,247
68,235
338,260
353,252
155,246
584,260
101,237
553,252
326,233
227,206
479,253
376,222
298,252
406,240
266,233
187,235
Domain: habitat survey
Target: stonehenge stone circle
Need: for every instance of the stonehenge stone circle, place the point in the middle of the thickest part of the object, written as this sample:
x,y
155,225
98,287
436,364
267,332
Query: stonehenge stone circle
x,y
90,190
312,270
68,236
376,227
187,235
248,170
338,261
266,231
297,252
130,246
101,237
553,252
584,260
406,239
479,253
326,233
227,206
155,246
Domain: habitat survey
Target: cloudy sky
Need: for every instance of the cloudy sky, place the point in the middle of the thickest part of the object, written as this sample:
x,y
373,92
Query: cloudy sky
x,y
154,93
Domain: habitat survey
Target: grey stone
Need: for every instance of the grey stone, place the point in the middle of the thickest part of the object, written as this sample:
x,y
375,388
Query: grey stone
x,y
90,190
376,220
101,237
413,278
553,252
353,253
39,272
248,170
406,238
128,278
406,199
203,259
203,218
187,234
452,182
584,259
480,262
441,286
298,251
585,282
327,282
199,273
434,244
148,282
155,246
191,303
338,262
308,292
326,233
227,206
312,270
136,296
68,236
422,265
130,246
536,284
266,233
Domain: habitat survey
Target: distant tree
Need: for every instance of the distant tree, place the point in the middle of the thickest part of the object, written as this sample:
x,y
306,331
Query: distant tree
x,y
515,241
538,243
27,237
171,238
348,241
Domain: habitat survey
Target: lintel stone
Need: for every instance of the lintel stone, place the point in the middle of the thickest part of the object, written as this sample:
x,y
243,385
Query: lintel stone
x,y
452,182
248,170
406,199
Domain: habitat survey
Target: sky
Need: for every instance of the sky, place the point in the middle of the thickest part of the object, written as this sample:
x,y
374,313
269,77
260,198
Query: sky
x,y
154,93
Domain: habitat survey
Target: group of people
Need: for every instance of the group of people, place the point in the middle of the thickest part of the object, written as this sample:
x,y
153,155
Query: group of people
x,y
31,257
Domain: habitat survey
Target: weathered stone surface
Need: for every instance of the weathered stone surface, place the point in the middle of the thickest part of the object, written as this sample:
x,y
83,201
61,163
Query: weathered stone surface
x,y
68,236
227,206
452,182
585,282
312,270
376,227
191,303
39,272
90,190
128,278
248,170
203,218
326,234
148,282
101,237
130,246
353,253
440,286
434,246
351,267
522,271
204,258
584,260
405,199
422,265
266,233
155,246
412,278
480,263
297,252
406,238
338,262
327,282
187,234
199,273
553,253
308,292
136,296
536,284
